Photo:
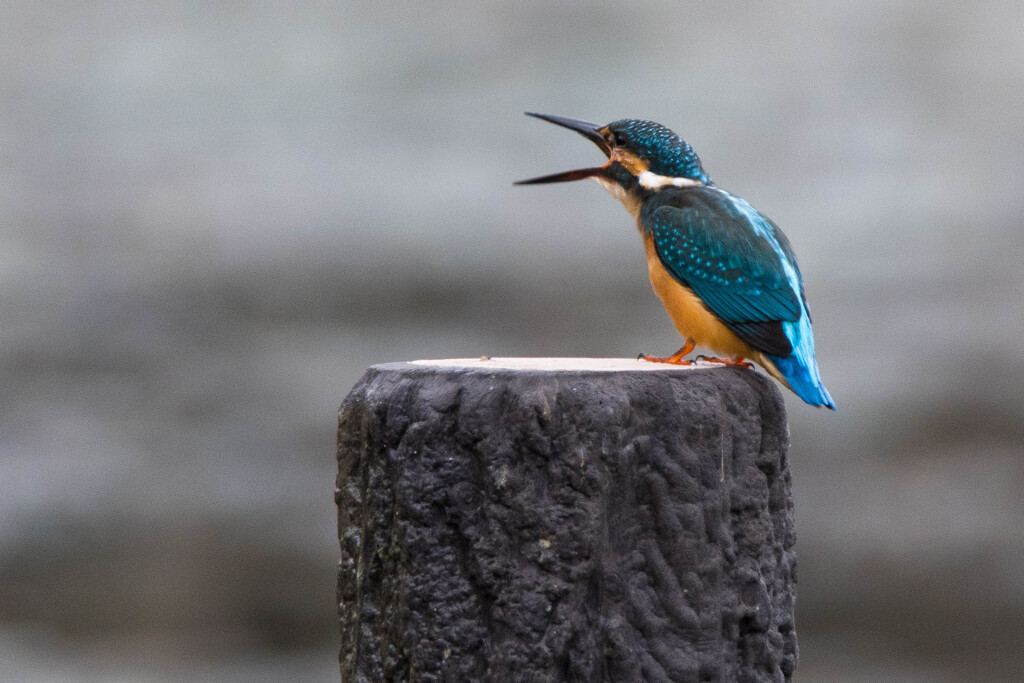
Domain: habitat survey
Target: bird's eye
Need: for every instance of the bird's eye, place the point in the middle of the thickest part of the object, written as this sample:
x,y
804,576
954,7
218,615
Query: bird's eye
x,y
617,139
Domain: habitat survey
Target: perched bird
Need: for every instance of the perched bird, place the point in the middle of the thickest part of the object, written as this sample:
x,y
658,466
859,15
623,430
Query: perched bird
x,y
726,274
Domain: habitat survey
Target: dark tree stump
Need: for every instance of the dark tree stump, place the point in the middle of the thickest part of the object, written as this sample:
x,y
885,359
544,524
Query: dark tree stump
x,y
502,524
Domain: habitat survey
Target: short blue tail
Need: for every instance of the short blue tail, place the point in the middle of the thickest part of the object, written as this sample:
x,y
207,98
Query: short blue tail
x,y
804,379
800,368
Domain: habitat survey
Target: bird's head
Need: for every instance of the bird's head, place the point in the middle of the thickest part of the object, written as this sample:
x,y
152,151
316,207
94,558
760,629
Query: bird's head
x,y
643,157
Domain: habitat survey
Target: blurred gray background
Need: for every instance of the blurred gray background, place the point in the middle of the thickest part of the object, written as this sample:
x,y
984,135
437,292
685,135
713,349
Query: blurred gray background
x,y
216,215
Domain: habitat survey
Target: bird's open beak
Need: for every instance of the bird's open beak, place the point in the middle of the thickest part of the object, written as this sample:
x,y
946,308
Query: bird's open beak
x,y
587,130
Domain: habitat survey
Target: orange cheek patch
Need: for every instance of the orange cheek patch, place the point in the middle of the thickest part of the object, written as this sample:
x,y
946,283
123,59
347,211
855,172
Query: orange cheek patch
x,y
632,162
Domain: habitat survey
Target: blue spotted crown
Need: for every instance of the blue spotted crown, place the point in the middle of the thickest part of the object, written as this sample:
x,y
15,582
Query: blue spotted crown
x,y
667,153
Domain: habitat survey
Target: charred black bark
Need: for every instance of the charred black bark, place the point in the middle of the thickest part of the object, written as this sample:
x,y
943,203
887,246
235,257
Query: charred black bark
x,y
509,525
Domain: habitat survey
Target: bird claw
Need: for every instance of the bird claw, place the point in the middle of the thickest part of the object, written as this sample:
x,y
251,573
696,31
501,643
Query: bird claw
x,y
668,361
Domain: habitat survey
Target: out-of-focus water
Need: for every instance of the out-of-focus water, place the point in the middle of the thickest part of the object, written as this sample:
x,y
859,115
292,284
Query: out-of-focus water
x,y
216,216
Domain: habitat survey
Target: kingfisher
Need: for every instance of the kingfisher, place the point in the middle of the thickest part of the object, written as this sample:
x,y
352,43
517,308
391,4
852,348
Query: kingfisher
x,y
725,272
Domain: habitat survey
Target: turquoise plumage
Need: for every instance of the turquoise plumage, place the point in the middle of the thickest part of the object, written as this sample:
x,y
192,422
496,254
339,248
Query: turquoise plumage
x,y
726,273
744,270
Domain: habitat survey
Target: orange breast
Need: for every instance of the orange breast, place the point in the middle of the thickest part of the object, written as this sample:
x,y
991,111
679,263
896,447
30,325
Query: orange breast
x,y
688,313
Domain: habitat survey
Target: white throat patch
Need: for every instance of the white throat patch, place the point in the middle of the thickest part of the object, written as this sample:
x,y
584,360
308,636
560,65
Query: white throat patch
x,y
653,181
632,204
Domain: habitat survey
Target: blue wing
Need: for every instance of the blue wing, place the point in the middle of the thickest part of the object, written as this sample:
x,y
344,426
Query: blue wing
x,y
742,267
722,249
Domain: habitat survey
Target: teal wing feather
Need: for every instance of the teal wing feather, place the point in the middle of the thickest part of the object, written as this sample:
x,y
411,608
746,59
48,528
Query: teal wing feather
x,y
733,259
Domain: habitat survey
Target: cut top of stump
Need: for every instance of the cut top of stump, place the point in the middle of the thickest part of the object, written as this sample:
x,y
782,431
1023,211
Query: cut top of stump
x,y
563,364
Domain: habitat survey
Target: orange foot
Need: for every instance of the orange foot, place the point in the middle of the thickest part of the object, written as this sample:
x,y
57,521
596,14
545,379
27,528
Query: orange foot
x,y
675,359
731,362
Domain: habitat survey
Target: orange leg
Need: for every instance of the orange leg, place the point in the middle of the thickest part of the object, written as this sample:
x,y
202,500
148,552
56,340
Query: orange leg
x,y
675,359
731,362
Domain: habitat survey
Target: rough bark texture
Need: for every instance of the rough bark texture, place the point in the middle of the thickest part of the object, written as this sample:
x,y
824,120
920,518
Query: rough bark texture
x,y
565,526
